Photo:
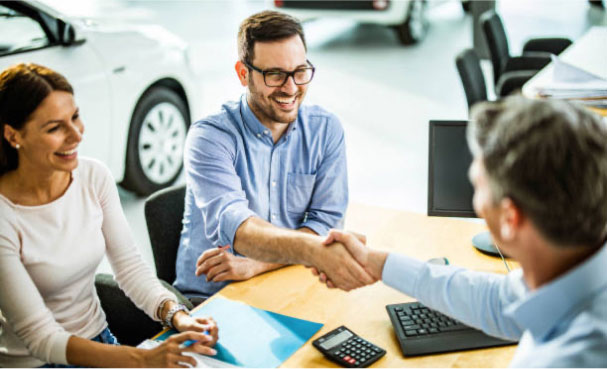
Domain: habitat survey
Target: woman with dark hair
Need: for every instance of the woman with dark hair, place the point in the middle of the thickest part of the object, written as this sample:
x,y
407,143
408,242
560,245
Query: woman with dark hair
x,y
59,216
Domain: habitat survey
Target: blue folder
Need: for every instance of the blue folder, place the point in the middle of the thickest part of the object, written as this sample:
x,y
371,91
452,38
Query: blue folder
x,y
252,337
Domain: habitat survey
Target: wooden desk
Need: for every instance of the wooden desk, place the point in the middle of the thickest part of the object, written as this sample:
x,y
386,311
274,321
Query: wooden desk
x,y
294,291
589,53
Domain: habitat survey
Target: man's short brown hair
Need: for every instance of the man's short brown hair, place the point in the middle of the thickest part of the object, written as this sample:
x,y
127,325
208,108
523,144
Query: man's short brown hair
x,y
266,26
550,158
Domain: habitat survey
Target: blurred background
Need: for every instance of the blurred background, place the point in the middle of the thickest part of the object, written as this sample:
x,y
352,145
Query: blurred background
x,y
384,92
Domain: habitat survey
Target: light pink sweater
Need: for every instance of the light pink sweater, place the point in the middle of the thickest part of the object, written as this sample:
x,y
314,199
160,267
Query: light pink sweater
x,y
48,257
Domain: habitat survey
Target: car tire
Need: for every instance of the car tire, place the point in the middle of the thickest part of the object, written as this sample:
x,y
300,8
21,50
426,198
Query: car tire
x,y
415,26
154,157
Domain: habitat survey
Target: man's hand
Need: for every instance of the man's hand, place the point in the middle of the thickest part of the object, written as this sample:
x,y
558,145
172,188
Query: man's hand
x,y
341,269
361,237
221,265
371,260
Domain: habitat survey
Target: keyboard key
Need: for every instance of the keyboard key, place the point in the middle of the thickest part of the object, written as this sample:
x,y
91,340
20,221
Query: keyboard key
x,y
433,330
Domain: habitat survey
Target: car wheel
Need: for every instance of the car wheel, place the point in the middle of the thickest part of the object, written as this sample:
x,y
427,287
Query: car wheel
x,y
156,139
415,26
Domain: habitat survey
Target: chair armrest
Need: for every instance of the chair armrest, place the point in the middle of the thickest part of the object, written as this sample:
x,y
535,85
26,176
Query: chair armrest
x,y
180,298
549,45
526,63
512,82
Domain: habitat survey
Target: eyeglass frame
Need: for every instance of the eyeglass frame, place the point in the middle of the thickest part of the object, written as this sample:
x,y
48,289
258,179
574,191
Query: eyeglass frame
x,y
289,74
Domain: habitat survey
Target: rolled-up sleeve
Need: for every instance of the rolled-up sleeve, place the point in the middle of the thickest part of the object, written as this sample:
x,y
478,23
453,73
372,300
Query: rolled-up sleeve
x,y
212,178
330,197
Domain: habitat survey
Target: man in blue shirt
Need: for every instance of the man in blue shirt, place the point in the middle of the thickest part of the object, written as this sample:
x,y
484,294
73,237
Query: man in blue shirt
x,y
262,167
540,180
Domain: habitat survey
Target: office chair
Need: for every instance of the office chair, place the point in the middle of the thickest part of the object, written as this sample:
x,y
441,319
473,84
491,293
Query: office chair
x,y
127,322
536,52
163,216
470,72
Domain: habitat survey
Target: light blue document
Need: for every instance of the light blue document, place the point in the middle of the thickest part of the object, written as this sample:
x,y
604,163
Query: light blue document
x,y
252,337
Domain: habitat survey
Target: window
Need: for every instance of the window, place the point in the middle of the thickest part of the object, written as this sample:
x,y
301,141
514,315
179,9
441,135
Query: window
x,y
19,32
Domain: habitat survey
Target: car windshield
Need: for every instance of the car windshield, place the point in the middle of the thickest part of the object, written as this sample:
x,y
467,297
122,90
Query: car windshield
x,y
19,32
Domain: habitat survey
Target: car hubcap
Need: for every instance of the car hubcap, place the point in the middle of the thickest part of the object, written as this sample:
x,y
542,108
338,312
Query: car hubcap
x,y
161,142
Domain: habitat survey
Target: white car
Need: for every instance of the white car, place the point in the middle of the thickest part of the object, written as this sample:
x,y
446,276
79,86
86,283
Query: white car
x,y
134,85
406,16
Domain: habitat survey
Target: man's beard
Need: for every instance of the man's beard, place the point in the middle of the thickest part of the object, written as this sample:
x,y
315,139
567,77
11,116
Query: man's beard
x,y
269,111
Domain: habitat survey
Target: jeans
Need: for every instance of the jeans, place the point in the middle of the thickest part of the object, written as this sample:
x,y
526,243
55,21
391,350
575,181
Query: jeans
x,y
105,336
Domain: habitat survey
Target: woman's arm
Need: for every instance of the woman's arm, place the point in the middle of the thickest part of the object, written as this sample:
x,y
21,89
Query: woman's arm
x,y
169,354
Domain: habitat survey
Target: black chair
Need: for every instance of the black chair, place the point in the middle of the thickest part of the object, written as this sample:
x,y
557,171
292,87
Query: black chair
x,y
470,72
536,52
163,216
127,322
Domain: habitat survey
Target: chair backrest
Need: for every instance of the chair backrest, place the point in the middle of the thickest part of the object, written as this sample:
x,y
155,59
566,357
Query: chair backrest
x,y
469,68
163,216
497,41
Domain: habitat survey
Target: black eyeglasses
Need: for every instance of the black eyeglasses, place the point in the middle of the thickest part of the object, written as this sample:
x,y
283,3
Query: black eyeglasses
x,y
277,78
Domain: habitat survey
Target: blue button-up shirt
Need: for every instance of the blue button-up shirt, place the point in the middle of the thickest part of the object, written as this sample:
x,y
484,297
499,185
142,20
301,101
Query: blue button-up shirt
x,y
234,171
561,324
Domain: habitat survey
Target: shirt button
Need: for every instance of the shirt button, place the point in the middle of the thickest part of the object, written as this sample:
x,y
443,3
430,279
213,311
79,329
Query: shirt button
x,y
266,132
273,216
259,135
273,183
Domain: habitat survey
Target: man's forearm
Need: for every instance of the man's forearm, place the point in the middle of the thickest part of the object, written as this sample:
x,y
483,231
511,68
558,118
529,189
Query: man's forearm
x,y
263,241
266,267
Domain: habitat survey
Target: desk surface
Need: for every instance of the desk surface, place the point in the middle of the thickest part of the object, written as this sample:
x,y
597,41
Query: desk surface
x,y
588,53
294,291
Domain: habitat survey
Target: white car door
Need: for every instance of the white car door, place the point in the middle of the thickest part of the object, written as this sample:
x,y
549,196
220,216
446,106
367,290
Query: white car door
x,y
23,39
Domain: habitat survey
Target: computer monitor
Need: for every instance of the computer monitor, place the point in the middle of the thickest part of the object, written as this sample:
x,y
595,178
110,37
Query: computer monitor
x,y
449,189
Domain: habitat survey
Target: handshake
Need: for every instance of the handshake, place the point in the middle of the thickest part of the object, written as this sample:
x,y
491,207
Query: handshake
x,y
343,261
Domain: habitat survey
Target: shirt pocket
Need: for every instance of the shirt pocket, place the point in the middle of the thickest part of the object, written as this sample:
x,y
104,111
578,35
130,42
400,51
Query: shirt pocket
x,y
299,191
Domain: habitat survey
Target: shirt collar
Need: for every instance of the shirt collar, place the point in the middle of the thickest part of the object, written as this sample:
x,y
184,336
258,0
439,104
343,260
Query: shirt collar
x,y
545,308
258,129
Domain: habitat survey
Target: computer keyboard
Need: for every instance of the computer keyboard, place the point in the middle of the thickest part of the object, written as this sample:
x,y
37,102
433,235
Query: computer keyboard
x,y
421,330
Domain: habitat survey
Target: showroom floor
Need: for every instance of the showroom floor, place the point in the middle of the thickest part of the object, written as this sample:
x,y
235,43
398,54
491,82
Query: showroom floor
x,y
383,92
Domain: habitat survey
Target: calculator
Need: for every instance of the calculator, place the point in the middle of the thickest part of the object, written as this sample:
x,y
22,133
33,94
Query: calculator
x,y
344,347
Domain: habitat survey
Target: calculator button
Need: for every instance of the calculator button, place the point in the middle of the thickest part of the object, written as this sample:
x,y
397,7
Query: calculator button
x,y
411,332
422,331
347,358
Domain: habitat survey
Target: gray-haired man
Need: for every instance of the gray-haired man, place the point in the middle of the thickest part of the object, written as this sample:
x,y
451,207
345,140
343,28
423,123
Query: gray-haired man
x,y
540,180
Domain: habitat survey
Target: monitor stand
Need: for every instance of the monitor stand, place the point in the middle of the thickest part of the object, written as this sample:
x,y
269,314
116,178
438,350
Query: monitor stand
x,y
484,243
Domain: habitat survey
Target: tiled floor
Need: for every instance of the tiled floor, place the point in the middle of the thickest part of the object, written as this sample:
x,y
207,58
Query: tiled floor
x,y
384,93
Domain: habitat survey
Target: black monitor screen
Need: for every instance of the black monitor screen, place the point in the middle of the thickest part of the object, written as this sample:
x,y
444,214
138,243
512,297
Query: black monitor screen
x,y
449,189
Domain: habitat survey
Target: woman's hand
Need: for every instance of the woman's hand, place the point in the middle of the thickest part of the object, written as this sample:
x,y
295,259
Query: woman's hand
x,y
170,353
184,323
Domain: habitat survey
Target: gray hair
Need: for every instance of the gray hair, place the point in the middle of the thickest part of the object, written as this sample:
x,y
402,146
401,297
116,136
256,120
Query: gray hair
x,y
550,158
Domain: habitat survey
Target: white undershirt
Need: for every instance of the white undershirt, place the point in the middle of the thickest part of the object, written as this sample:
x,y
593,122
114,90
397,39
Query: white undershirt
x,y
48,258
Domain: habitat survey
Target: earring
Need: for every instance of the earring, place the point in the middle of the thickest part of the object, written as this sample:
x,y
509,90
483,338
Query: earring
x,y
17,146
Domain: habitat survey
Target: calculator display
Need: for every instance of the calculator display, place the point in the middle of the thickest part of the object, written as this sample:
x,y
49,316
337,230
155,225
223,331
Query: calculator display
x,y
336,340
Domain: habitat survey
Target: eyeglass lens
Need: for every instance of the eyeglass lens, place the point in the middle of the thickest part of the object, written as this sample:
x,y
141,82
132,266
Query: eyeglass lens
x,y
278,78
